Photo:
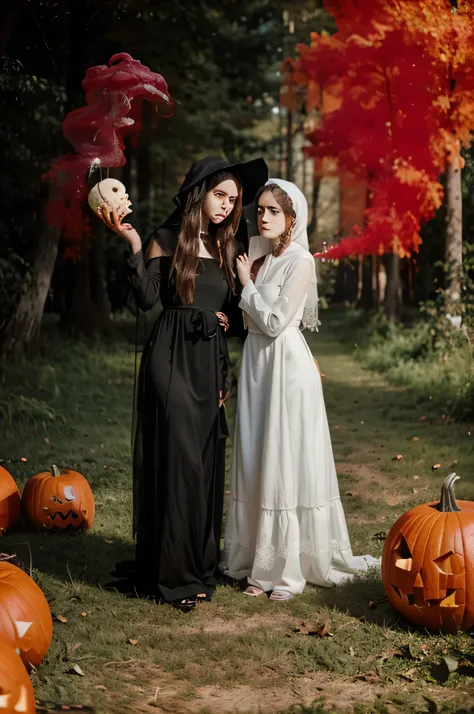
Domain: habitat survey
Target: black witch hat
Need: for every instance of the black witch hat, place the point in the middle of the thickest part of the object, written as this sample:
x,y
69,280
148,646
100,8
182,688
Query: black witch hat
x,y
252,175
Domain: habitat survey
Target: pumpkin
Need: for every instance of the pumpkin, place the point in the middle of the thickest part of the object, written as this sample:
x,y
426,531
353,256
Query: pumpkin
x,y
428,563
16,691
58,500
9,501
25,617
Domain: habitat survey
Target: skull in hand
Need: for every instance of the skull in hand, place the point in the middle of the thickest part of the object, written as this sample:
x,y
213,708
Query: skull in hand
x,y
111,194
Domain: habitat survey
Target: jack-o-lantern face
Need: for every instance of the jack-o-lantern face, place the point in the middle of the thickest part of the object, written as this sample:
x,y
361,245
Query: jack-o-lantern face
x,y
25,617
427,566
16,692
58,500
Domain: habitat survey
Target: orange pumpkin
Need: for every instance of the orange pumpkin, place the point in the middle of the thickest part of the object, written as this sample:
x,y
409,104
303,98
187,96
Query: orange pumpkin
x,y
16,691
25,617
58,500
9,501
428,563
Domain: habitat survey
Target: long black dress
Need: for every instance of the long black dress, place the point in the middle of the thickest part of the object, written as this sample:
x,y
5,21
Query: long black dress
x,y
179,460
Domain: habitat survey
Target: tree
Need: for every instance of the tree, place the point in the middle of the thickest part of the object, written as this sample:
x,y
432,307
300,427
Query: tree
x,y
403,73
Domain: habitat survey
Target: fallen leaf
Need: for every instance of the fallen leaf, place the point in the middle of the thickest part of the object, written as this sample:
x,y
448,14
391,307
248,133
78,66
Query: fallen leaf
x,y
320,630
415,478
422,418
23,459
399,457
352,651
46,440
409,674
105,539
61,618
416,438
83,614
75,669
415,490
436,466
101,687
133,642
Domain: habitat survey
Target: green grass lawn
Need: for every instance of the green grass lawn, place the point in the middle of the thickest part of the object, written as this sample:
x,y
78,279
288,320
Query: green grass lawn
x,y
72,407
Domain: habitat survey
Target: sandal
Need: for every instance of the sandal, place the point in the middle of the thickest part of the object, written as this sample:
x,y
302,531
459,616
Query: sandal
x,y
203,597
185,605
253,591
281,595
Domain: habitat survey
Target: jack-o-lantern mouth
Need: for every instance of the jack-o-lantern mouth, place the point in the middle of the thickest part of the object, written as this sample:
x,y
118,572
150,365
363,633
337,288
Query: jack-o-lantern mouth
x,y
414,592
21,704
417,599
63,516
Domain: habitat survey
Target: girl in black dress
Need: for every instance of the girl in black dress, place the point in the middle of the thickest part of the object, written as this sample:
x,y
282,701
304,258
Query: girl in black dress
x,y
179,460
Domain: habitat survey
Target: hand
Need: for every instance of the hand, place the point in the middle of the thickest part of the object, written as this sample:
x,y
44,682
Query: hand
x,y
222,400
125,230
243,269
223,320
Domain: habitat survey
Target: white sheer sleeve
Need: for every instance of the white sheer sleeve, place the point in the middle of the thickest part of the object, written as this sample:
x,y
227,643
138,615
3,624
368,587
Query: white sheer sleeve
x,y
272,319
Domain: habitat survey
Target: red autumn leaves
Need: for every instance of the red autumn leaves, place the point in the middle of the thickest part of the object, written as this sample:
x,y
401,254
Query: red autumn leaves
x,y
401,79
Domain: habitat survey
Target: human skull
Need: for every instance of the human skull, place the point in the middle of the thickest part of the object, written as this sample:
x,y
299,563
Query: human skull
x,y
112,194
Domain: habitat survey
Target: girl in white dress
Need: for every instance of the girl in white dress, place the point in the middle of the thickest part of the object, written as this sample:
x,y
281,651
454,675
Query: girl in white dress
x,y
285,521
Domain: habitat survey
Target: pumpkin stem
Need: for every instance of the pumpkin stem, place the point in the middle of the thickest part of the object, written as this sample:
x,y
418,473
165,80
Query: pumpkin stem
x,y
55,471
447,502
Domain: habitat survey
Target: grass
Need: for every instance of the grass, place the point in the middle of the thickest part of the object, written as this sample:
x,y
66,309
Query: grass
x,y
72,407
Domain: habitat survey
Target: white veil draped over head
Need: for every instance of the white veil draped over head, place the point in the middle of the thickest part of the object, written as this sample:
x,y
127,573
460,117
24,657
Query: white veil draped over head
x,y
260,246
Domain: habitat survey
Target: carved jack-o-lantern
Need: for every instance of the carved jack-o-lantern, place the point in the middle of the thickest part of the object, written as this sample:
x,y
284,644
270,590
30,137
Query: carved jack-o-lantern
x,y
16,691
25,617
60,499
113,195
9,501
428,563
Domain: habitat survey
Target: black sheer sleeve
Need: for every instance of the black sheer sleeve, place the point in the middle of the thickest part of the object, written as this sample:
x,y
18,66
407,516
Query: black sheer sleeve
x,y
232,309
145,279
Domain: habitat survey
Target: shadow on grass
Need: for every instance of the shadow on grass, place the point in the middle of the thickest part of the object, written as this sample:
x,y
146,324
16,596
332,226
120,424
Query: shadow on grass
x,y
363,598
84,557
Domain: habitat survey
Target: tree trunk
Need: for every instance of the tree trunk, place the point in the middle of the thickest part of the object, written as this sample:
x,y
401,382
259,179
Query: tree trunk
x,y
453,252
90,310
393,295
21,333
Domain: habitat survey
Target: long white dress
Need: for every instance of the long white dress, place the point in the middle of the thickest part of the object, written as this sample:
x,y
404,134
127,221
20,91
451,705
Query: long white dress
x,y
285,521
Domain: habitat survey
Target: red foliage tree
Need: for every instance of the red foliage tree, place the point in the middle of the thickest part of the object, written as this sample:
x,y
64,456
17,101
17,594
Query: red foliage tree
x,y
403,72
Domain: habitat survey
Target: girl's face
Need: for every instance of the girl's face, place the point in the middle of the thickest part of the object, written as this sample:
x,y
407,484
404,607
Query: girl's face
x,y
219,201
270,216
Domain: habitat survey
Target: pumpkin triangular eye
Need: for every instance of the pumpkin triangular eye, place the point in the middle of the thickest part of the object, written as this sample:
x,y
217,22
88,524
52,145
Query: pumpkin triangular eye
x,y
404,559
22,704
69,493
450,563
22,628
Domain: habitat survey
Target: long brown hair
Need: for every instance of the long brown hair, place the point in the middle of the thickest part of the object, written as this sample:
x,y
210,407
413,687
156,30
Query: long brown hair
x,y
186,257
